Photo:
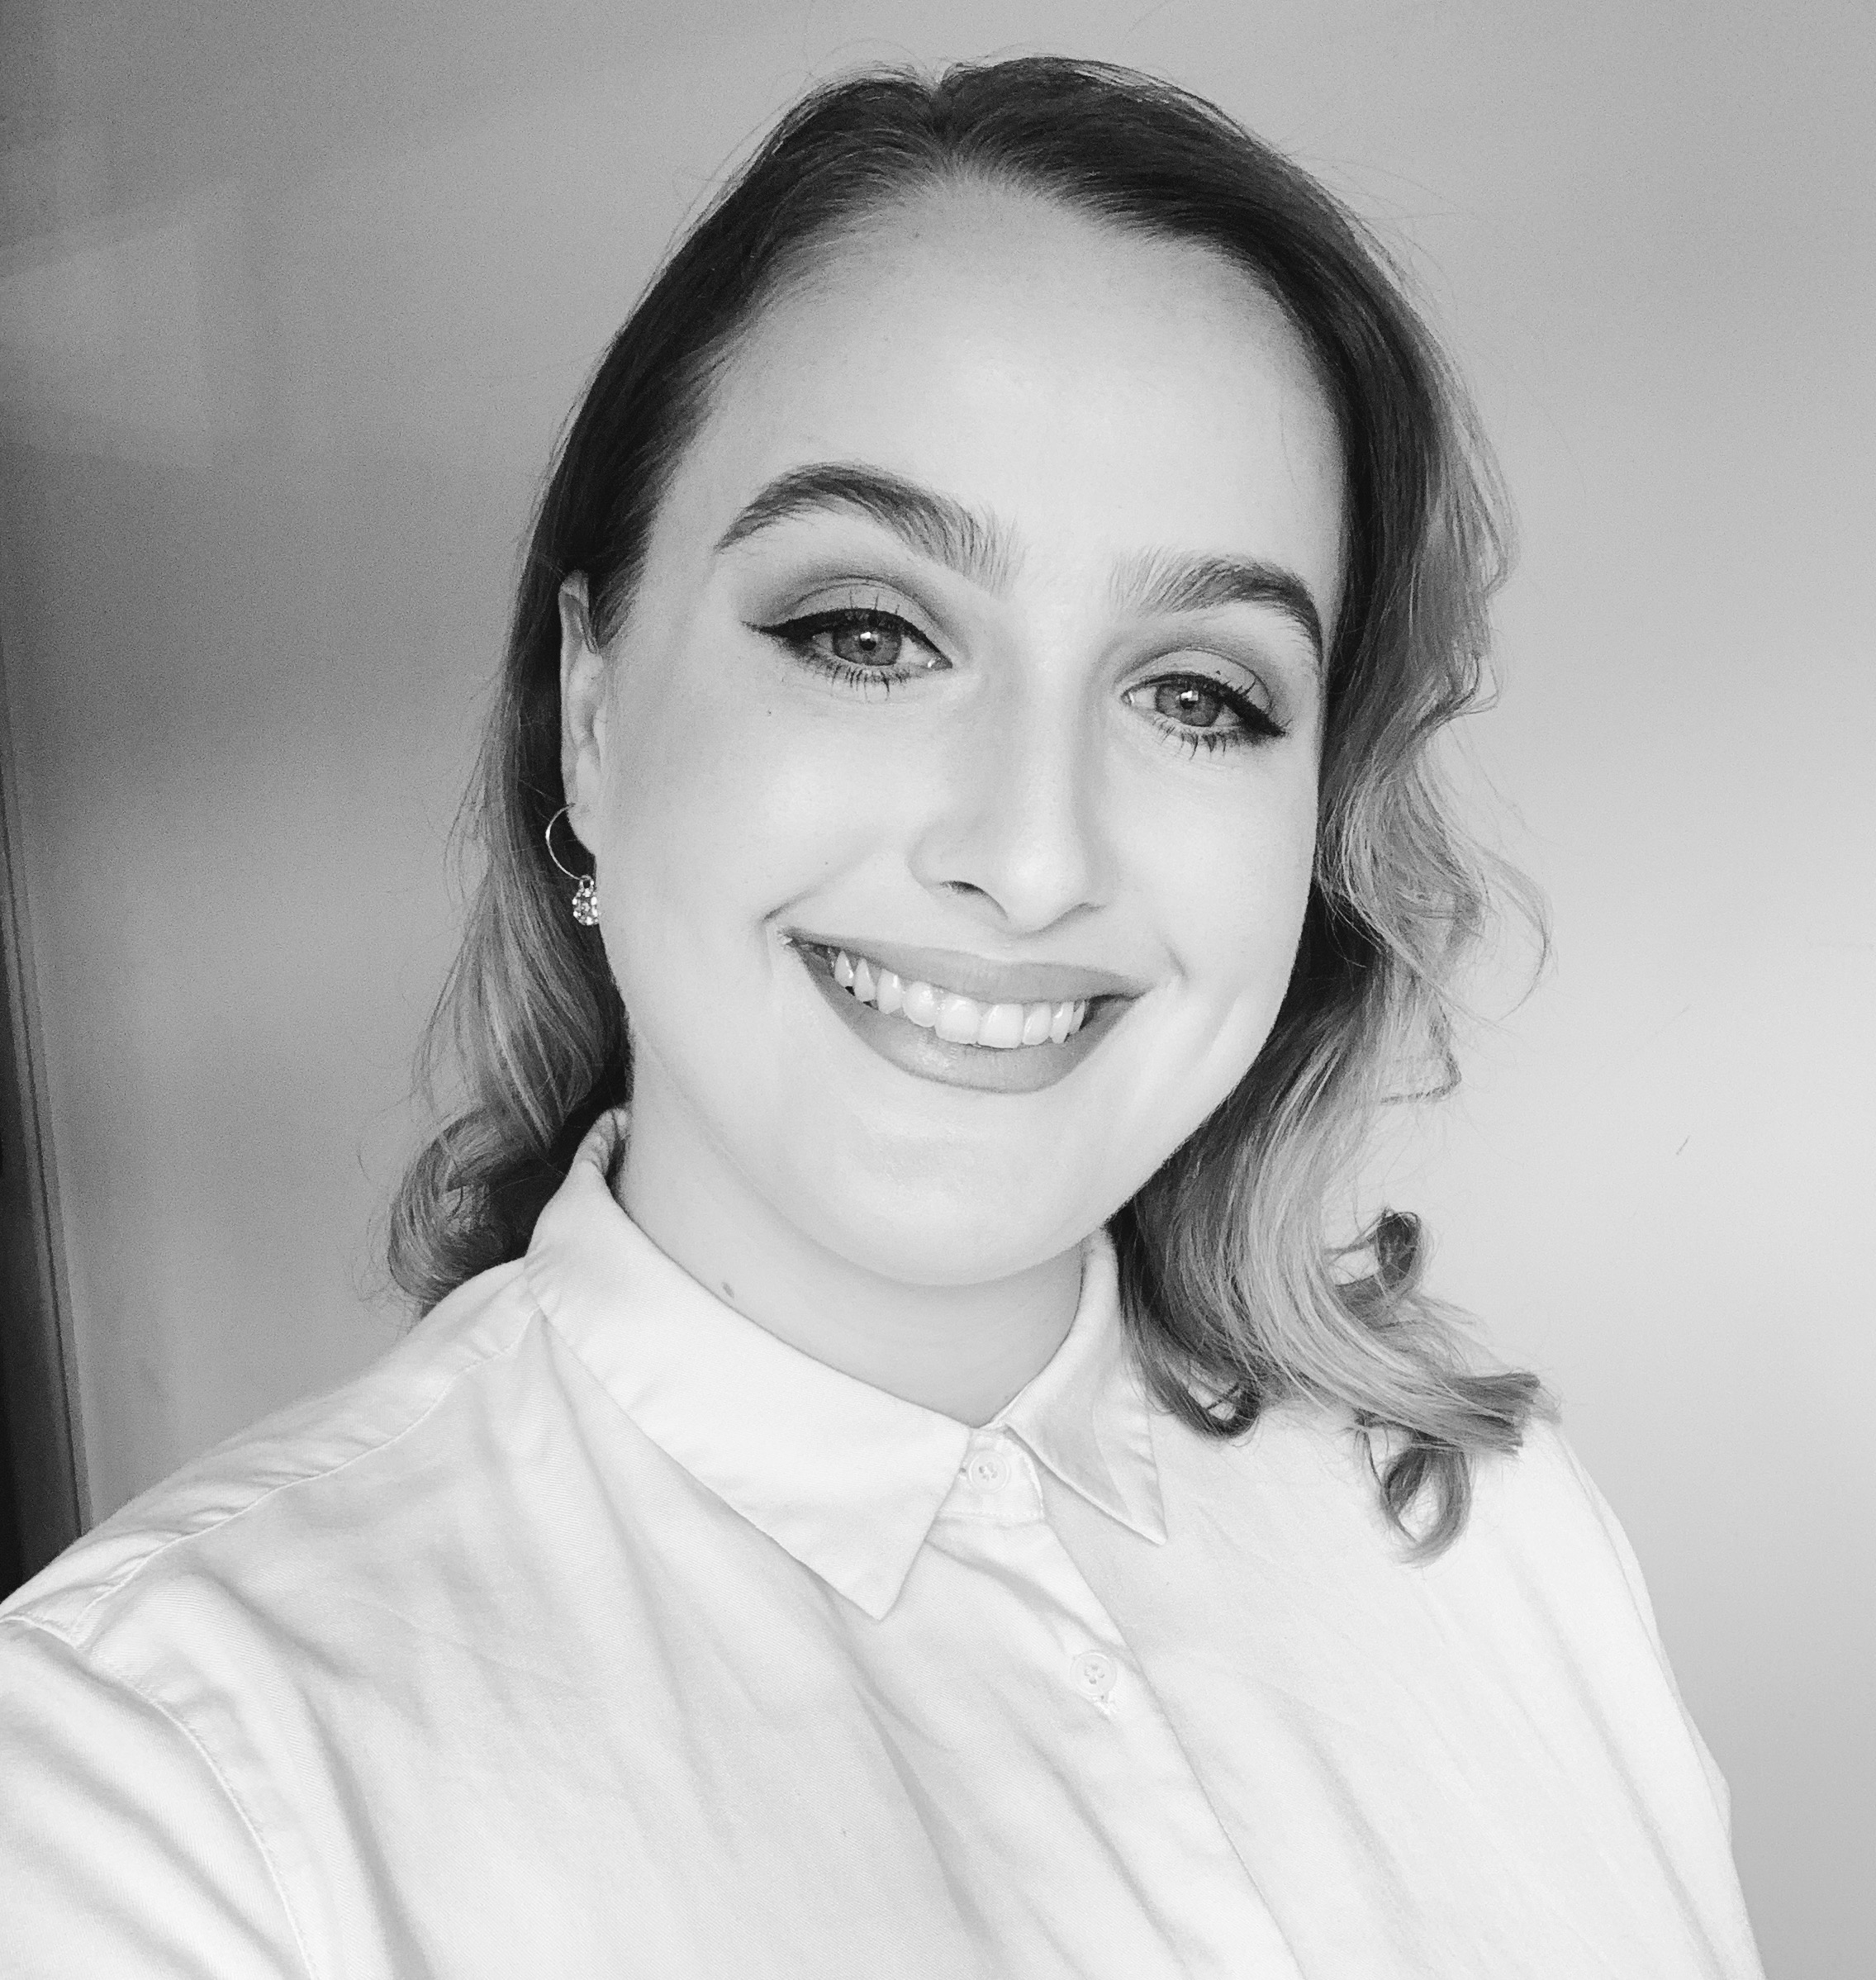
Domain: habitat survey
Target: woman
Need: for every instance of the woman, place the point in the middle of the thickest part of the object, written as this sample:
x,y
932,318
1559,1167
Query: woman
x,y
895,1477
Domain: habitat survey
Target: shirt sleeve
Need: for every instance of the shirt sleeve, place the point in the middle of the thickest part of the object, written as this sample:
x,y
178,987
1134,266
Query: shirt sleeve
x,y
1637,1586
1618,1667
121,1849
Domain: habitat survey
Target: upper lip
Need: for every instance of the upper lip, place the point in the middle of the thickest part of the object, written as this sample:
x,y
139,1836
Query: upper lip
x,y
978,977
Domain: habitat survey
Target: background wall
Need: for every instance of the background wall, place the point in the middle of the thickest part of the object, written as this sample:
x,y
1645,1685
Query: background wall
x,y
292,300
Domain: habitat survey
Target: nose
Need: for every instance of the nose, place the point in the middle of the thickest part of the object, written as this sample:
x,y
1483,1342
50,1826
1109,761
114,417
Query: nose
x,y
1014,821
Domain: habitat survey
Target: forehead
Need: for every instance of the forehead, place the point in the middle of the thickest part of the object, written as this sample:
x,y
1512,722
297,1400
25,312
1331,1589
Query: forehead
x,y
1099,391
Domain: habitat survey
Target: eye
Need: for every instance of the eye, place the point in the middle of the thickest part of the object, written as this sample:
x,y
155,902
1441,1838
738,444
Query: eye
x,y
859,639
1193,703
1204,713
858,642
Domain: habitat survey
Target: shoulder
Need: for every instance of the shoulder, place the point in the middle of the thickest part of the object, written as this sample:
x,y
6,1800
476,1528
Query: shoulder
x,y
219,1514
1541,1496
1538,1524
1539,1596
1538,1532
1537,1485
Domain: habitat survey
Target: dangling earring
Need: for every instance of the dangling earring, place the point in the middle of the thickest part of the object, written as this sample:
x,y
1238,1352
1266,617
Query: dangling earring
x,y
586,891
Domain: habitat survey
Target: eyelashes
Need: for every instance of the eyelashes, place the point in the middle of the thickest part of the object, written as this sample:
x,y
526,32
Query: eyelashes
x,y
859,644
1177,695
873,650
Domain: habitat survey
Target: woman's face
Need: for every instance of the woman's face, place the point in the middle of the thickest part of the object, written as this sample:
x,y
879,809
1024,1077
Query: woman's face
x,y
976,655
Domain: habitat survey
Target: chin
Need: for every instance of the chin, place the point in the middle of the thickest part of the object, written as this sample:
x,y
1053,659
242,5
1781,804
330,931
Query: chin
x,y
943,1227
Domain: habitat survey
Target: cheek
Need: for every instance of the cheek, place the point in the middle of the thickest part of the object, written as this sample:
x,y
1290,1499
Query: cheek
x,y
1230,881
722,806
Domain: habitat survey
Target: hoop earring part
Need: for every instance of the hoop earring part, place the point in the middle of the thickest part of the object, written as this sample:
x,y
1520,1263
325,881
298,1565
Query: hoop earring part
x,y
586,889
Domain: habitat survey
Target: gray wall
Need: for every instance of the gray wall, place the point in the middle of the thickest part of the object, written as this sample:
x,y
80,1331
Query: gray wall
x,y
292,299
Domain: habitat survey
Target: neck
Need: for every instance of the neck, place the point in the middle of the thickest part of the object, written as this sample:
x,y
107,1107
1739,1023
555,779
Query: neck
x,y
963,1351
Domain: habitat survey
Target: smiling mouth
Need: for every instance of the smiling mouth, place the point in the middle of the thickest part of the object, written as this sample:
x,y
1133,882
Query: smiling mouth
x,y
948,1014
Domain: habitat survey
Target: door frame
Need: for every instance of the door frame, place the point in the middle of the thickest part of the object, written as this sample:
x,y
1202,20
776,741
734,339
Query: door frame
x,y
41,1441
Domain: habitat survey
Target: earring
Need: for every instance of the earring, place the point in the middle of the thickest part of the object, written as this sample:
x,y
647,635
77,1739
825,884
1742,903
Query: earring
x,y
586,891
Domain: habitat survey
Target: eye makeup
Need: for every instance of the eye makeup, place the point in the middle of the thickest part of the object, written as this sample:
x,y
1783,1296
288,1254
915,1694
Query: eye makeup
x,y
1203,696
867,647
872,649
864,634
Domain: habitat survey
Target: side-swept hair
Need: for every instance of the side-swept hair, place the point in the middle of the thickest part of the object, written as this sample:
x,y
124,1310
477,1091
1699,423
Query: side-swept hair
x,y
1236,1296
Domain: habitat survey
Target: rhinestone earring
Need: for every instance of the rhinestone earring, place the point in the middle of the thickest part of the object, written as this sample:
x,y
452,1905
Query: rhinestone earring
x,y
585,890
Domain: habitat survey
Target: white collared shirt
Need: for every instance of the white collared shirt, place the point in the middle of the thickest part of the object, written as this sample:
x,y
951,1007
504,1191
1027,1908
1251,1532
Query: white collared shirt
x,y
597,1632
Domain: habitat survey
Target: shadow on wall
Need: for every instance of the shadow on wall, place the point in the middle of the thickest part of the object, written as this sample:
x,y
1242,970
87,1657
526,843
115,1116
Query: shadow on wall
x,y
243,777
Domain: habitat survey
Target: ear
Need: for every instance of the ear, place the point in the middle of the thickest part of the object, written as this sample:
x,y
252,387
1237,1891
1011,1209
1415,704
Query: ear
x,y
584,675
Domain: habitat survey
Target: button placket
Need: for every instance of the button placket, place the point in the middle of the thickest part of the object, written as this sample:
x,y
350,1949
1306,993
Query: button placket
x,y
996,1481
1095,1675
987,1469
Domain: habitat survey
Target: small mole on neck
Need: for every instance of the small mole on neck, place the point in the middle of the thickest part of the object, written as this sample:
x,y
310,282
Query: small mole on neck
x,y
728,1290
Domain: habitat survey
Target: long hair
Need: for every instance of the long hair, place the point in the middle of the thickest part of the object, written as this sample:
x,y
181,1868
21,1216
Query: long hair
x,y
1236,1295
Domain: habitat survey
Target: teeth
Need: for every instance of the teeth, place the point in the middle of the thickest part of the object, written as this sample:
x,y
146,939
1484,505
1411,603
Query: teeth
x,y
922,1005
959,1020
1002,1026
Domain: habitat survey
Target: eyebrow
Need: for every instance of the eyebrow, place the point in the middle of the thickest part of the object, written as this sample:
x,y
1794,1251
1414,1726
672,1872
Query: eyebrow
x,y
980,548
1162,581
933,524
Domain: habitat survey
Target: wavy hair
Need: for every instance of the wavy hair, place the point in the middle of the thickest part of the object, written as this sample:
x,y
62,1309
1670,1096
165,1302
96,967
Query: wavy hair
x,y
1235,1294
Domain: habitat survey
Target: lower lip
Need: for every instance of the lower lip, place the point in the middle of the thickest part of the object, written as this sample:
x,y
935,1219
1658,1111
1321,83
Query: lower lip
x,y
1020,1068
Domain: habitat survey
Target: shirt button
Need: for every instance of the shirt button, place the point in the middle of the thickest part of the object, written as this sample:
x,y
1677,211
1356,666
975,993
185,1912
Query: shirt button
x,y
987,1470
1094,1675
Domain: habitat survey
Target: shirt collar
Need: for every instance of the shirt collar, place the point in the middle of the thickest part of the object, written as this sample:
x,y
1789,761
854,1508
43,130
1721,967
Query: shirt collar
x,y
1085,1415
844,1476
